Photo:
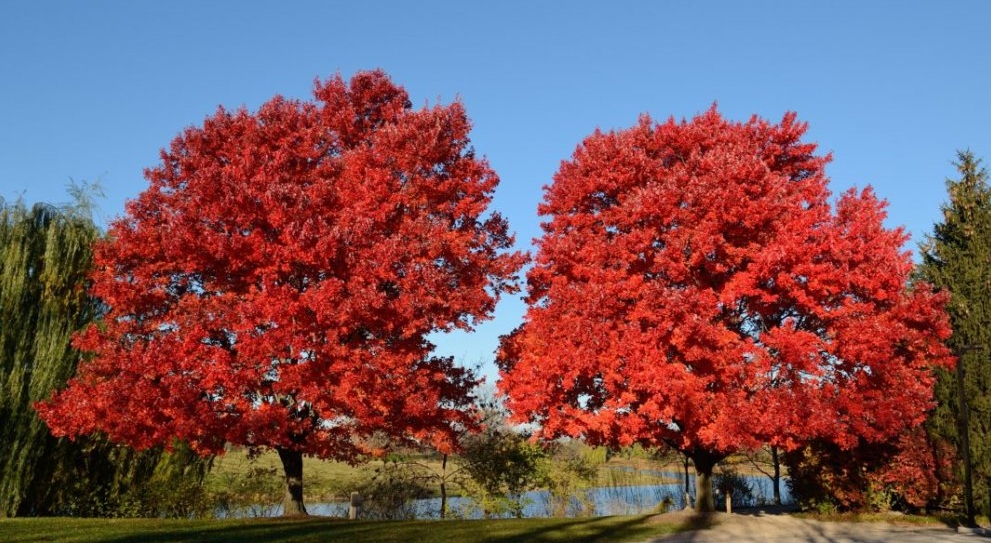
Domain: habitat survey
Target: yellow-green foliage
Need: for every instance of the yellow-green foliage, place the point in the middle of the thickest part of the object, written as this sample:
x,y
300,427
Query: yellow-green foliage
x,y
45,256
323,480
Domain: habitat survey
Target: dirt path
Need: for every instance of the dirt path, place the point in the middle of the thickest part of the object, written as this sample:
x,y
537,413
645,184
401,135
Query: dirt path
x,y
753,528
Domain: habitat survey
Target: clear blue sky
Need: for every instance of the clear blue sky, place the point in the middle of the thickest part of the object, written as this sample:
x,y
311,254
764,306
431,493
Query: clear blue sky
x,y
92,90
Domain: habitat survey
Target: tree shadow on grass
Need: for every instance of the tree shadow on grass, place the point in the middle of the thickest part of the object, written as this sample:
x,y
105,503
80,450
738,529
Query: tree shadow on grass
x,y
327,530
584,530
698,521
610,529
288,530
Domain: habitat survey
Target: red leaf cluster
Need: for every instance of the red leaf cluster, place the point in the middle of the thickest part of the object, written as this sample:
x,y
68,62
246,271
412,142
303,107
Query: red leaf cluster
x,y
901,472
695,287
274,285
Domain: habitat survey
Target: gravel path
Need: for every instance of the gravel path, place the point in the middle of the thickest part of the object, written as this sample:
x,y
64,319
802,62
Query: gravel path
x,y
748,528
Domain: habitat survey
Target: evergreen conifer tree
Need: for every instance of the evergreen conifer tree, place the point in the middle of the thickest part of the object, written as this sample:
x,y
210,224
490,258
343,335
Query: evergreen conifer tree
x,y
957,257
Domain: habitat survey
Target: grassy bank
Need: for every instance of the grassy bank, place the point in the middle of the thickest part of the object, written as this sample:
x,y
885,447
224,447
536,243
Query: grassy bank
x,y
324,530
939,519
326,480
252,485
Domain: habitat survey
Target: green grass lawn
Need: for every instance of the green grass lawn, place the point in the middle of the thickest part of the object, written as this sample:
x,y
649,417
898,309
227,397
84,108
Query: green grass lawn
x,y
324,530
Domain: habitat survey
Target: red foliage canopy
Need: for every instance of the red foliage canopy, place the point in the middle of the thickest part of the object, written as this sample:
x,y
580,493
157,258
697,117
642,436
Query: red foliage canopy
x,y
274,285
695,288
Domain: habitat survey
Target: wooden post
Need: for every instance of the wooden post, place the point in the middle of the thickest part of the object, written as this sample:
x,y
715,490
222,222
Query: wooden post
x,y
354,509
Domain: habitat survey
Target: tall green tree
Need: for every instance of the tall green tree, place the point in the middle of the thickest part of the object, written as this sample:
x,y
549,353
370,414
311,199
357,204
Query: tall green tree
x,y
45,257
957,258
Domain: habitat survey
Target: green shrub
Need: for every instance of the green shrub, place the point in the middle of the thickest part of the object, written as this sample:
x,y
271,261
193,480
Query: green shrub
x,y
254,493
390,493
728,481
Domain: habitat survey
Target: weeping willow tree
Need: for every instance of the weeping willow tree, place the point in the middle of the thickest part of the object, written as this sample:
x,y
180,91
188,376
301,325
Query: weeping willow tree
x,y
45,256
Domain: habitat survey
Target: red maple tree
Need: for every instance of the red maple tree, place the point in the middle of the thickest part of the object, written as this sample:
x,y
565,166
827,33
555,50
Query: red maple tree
x,y
275,284
694,288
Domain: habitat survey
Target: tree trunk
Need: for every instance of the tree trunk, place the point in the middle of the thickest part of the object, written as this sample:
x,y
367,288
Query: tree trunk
x,y
777,475
688,490
968,477
704,463
443,487
704,500
292,464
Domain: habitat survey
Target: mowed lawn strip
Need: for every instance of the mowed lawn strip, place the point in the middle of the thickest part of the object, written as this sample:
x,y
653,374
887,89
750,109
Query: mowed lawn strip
x,y
326,530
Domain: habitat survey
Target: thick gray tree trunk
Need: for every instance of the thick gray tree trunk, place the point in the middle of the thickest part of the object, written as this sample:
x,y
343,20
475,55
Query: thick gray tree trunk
x,y
704,464
292,465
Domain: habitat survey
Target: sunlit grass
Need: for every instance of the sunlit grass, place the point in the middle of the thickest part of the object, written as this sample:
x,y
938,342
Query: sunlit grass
x,y
323,530
889,517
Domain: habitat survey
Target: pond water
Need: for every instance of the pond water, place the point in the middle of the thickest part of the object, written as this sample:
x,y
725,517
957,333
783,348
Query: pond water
x,y
598,501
